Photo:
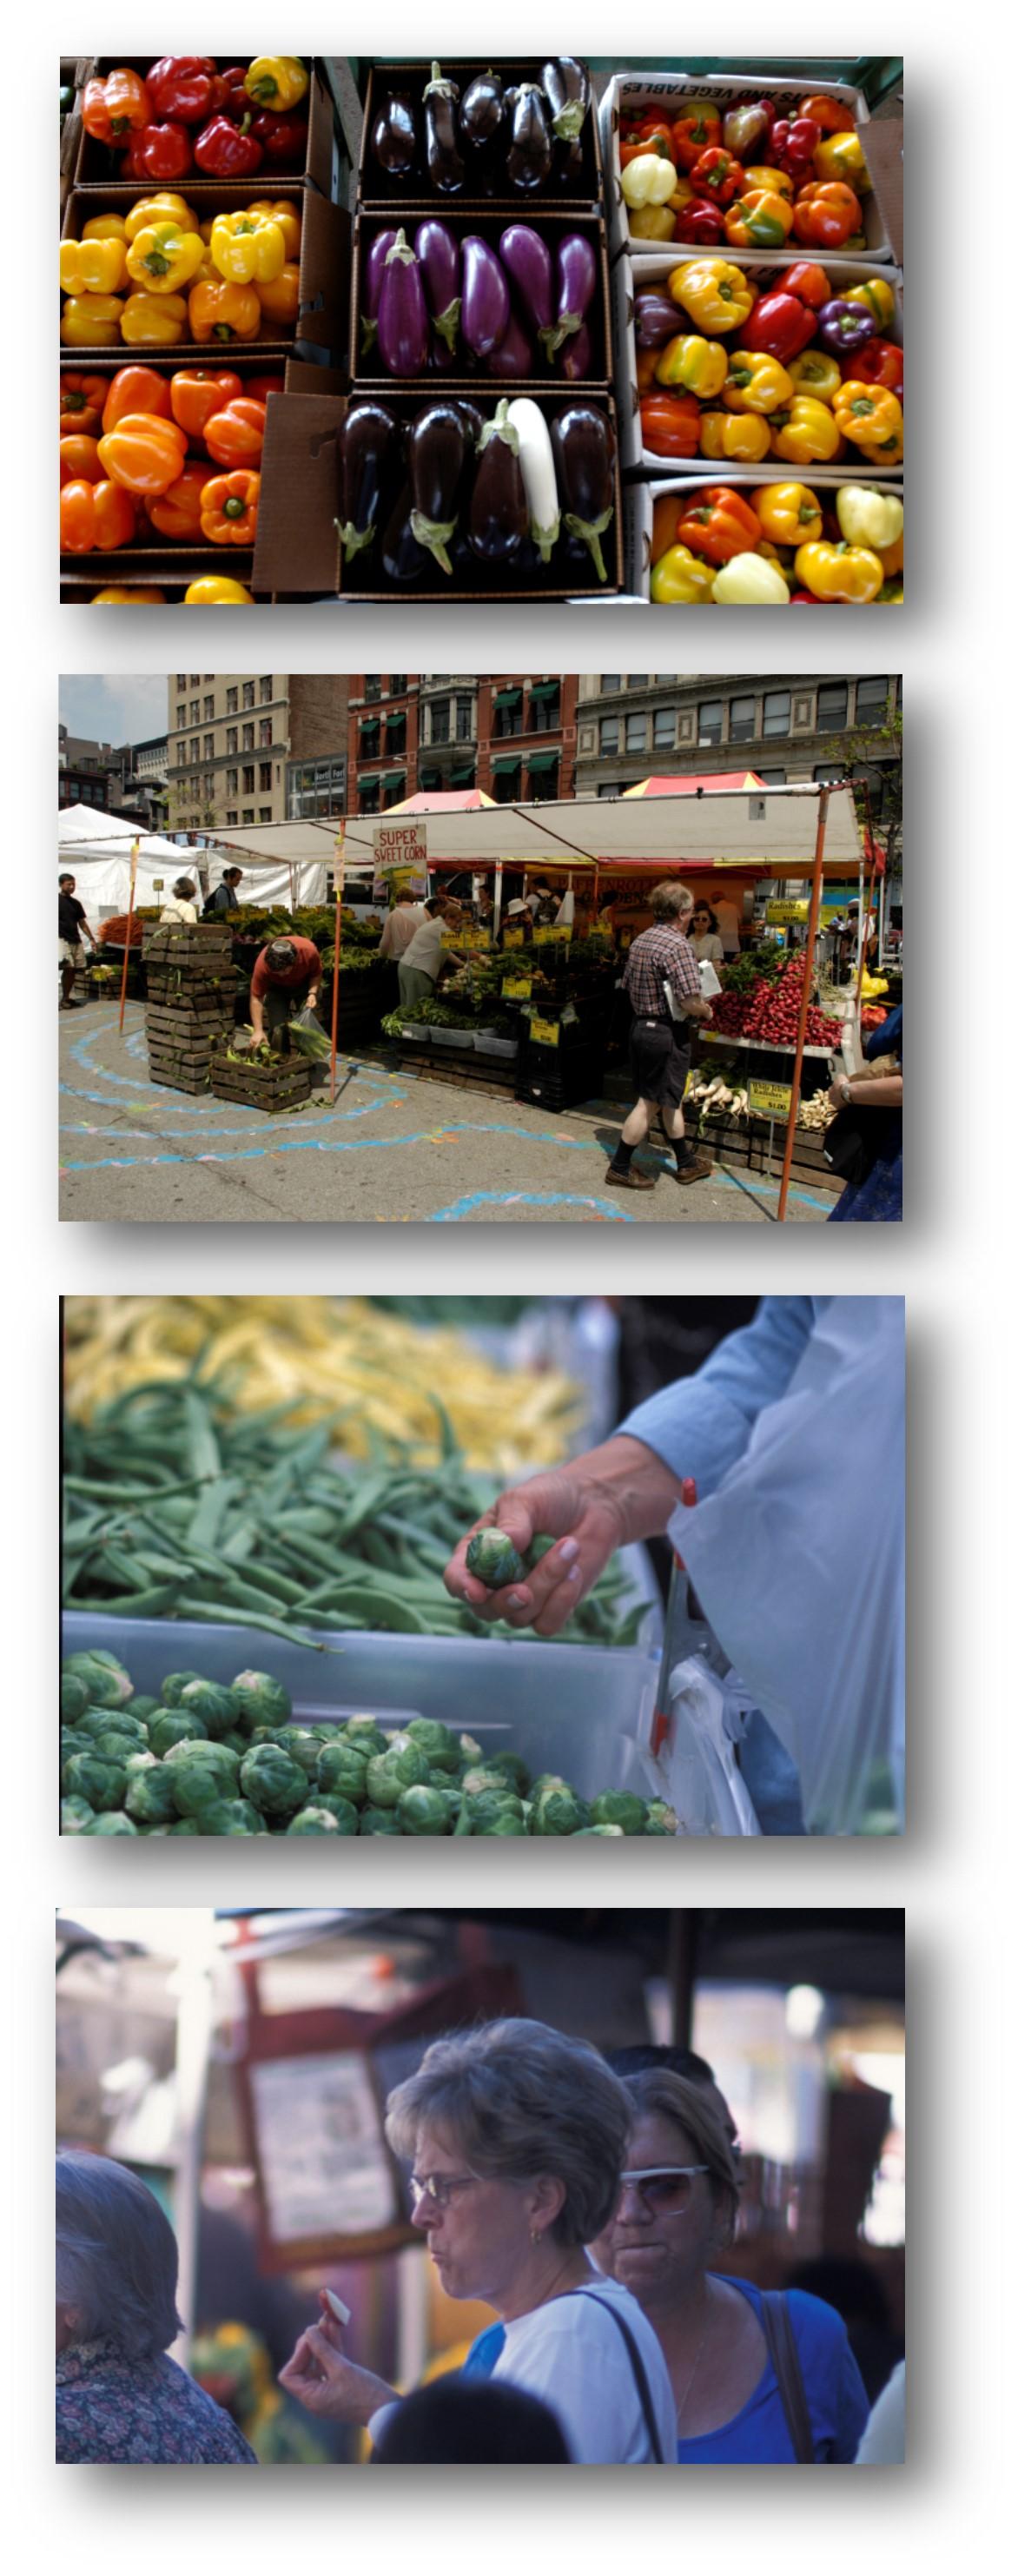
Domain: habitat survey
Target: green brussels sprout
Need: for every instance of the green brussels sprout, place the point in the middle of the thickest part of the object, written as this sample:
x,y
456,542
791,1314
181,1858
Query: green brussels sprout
x,y
585,1832
75,1814
493,1558
363,1735
273,1781
235,1742
558,1811
174,1686
620,1807
73,1740
139,1762
503,1824
314,1820
95,1722
230,1816
470,1750
114,1747
264,1735
210,1701
197,1751
514,1772
110,1824
342,1808
197,1787
490,1803
302,1746
661,1819
174,1728
547,1780
142,1706
341,1769
423,1811
150,1797
104,1784
73,1696
388,1774
261,1700
435,1741
108,1684
184,1825
378,1820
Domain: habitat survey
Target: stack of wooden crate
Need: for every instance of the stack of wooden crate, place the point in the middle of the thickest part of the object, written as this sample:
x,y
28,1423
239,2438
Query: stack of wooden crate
x,y
191,982
275,1082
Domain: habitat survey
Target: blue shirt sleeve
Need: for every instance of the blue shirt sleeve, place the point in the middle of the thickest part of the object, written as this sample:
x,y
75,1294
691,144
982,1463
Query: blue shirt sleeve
x,y
702,1424
838,2404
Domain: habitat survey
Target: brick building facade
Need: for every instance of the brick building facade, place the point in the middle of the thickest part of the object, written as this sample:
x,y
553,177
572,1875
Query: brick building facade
x,y
511,735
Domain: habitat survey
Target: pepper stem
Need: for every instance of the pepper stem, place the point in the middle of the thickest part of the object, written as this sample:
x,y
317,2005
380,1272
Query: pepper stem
x,y
591,531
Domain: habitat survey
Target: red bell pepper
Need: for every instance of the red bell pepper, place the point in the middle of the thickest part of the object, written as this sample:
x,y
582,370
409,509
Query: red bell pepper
x,y
809,282
826,213
227,151
717,176
158,152
779,326
700,221
671,423
880,363
282,138
793,142
719,524
182,86
229,97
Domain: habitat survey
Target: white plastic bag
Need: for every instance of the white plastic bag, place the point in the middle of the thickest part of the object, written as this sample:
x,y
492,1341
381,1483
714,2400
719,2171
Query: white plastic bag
x,y
702,1778
709,980
798,1560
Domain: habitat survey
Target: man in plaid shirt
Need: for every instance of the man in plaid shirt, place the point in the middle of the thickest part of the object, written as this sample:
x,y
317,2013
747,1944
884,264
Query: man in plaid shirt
x,y
659,1040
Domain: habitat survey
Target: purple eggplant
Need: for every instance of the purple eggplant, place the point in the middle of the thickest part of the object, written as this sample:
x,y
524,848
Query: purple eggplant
x,y
402,312
442,361
437,450
498,517
575,359
527,259
445,160
584,450
371,286
438,252
514,356
566,86
481,110
577,283
655,317
366,451
531,150
394,135
403,560
472,418
485,319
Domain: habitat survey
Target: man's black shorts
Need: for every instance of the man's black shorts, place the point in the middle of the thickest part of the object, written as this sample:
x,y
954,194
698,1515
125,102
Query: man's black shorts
x,y
658,1062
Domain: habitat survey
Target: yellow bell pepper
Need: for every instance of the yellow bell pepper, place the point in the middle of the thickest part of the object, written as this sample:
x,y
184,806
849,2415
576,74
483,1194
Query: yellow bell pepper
x,y
165,207
91,321
841,156
878,298
681,580
247,249
699,365
742,437
890,451
776,182
153,321
807,433
869,518
872,417
716,295
104,228
215,590
749,581
755,382
163,260
91,267
849,573
817,372
278,210
276,81
789,513
648,181
140,598
652,223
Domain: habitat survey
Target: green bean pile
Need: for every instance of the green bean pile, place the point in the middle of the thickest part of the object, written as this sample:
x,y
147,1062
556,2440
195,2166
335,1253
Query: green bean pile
x,y
176,1507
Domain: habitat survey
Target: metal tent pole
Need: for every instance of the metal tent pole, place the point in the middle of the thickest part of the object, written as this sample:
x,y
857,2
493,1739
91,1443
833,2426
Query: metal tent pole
x,y
800,1042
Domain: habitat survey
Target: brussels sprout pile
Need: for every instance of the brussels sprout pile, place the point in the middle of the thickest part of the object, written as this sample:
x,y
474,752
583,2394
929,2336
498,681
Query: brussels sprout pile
x,y
205,1758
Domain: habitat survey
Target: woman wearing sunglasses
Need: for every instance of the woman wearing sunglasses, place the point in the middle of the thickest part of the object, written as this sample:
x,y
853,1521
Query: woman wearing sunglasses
x,y
517,2136
704,936
753,2383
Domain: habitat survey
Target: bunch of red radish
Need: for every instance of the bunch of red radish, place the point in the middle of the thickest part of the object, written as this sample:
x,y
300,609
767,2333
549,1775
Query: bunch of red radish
x,y
771,1012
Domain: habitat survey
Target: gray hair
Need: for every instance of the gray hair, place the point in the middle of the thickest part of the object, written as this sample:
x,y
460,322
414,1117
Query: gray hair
x,y
521,2100
700,2110
669,901
116,2256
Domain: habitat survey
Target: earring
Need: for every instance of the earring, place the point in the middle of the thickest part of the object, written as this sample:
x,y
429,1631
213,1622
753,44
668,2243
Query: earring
x,y
535,2235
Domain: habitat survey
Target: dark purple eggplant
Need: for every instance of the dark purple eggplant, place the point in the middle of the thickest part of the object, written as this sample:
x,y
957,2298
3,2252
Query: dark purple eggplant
x,y
472,418
655,318
437,450
566,86
584,450
485,318
443,361
576,272
403,560
438,252
481,110
527,260
498,517
394,134
514,357
366,451
402,312
445,160
575,359
371,286
531,150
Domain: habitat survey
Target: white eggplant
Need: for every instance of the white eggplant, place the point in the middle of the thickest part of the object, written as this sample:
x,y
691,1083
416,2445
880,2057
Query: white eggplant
x,y
537,465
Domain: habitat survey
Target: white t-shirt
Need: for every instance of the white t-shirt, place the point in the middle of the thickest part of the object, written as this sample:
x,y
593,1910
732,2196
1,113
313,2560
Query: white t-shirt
x,y
425,949
177,909
399,927
571,2355
707,944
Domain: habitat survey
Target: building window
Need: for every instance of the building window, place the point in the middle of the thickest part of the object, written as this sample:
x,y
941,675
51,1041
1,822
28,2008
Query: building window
x,y
247,737
506,784
247,782
777,708
440,721
231,739
181,716
610,681
666,679
464,719
508,713
247,814
610,790
741,719
368,789
637,679
664,728
832,707
182,679
773,777
231,702
870,702
545,710
636,733
248,697
372,685
231,782
195,711
608,731
210,709
264,777
265,813
210,746
318,787
394,792
232,815
708,721
265,694
264,730
397,684
827,771
395,732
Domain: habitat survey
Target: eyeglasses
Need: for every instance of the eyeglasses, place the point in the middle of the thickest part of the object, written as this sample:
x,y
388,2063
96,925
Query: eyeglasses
x,y
665,2190
438,2189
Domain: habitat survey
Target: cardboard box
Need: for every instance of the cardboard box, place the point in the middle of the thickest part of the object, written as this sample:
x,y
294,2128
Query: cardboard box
x,y
627,281
369,374
668,91
324,162
297,550
321,324
639,499
375,189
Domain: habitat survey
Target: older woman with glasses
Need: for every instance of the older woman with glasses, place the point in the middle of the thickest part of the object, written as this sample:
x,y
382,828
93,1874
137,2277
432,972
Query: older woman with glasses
x,y
517,2136
755,2379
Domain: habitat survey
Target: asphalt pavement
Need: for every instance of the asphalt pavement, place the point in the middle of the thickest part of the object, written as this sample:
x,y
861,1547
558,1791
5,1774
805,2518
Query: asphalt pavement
x,y
394,1147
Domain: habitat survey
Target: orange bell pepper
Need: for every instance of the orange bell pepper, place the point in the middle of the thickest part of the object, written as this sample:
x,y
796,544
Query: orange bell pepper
x,y
79,459
826,213
113,109
81,403
229,509
197,392
214,590
871,416
177,511
281,211
651,134
280,300
719,523
224,312
144,454
667,514
95,515
141,597
236,434
761,220
826,112
135,389
258,388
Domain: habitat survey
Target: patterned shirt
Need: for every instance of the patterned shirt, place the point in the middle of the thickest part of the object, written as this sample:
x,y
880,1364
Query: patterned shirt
x,y
113,2409
657,953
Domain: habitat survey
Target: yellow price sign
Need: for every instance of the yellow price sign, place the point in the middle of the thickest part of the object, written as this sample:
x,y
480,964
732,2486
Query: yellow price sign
x,y
516,988
779,915
553,935
770,1099
512,939
544,1032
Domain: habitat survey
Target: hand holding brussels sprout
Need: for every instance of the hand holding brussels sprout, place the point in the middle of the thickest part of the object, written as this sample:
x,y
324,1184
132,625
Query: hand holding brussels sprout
x,y
563,1527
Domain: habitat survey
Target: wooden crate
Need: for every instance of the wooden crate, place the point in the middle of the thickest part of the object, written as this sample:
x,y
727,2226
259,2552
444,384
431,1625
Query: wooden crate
x,y
461,1072
283,1084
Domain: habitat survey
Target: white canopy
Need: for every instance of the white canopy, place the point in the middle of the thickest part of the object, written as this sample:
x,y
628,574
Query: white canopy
x,y
98,849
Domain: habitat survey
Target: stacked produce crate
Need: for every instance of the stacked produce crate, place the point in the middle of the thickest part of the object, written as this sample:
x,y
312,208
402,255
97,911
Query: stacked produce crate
x,y
190,985
274,1083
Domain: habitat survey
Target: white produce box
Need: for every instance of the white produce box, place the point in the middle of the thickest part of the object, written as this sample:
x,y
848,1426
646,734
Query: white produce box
x,y
667,90
638,504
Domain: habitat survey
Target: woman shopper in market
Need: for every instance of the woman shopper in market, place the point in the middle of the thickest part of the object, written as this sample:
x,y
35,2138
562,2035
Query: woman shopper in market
x,y
755,2380
705,938
286,981
874,1105
517,2138
180,904
662,981
119,2396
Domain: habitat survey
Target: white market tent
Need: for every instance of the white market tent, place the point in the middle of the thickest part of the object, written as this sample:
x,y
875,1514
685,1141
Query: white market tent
x,y
97,848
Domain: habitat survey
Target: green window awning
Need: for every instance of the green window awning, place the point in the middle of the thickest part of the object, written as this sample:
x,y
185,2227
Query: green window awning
x,y
391,777
545,689
506,761
508,697
463,774
370,724
543,759
430,777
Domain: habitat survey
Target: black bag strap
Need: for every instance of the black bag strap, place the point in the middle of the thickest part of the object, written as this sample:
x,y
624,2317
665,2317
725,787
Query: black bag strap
x,y
636,2359
784,2353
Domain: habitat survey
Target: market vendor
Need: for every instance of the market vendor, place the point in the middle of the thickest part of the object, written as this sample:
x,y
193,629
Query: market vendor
x,y
72,923
424,960
399,926
287,979
662,982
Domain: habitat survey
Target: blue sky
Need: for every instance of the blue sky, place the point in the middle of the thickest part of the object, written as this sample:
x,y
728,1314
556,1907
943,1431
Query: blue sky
x,y
113,710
